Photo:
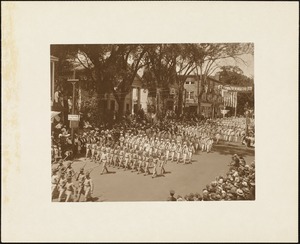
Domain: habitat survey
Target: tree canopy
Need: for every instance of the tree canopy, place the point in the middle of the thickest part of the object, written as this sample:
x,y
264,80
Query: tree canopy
x,y
112,68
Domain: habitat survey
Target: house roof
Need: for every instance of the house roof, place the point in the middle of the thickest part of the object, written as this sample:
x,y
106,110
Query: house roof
x,y
53,58
209,77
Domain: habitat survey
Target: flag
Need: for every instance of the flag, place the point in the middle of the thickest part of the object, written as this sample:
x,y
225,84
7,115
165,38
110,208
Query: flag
x,y
230,98
224,95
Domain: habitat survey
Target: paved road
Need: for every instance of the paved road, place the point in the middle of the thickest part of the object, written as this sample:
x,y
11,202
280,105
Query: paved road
x,y
120,185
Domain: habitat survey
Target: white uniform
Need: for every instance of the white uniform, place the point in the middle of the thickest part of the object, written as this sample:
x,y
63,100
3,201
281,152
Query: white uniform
x,y
62,187
70,191
88,188
54,182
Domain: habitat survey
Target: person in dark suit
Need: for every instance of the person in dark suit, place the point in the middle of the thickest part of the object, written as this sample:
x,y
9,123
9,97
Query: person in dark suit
x,y
171,197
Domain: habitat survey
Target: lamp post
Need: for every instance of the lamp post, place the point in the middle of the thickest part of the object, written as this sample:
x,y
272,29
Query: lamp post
x,y
73,82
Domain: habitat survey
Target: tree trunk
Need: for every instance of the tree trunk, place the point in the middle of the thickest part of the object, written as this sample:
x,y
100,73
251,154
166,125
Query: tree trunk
x,y
101,115
121,104
199,105
201,90
180,101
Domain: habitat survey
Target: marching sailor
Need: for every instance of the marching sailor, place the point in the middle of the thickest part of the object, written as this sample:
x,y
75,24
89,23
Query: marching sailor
x,y
172,149
104,160
54,181
184,152
62,186
80,178
88,186
70,189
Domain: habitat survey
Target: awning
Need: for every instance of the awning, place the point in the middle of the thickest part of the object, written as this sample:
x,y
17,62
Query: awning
x,y
53,58
54,113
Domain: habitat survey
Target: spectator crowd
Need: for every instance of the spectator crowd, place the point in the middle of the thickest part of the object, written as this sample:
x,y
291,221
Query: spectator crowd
x,y
145,147
237,184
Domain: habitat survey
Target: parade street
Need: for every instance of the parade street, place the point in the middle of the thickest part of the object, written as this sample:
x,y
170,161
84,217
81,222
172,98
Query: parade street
x,y
120,185
120,125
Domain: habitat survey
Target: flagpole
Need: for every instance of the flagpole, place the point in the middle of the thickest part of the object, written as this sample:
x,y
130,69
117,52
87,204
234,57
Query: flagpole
x,y
224,107
235,111
235,103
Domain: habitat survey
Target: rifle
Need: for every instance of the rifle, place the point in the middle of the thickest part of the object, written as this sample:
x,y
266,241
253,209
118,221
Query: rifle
x,y
79,189
63,161
65,157
79,174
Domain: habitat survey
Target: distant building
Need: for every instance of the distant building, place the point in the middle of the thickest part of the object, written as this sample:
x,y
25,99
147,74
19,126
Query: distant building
x,y
162,100
211,99
136,99
53,60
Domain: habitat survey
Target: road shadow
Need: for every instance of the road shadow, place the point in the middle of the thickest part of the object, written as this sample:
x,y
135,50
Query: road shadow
x,y
94,199
108,173
101,200
160,176
55,195
230,149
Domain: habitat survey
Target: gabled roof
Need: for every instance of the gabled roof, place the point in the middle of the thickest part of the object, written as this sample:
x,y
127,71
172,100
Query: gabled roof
x,y
53,58
209,77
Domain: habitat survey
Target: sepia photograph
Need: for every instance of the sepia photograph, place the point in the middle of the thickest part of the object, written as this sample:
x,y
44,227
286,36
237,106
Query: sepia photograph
x,y
112,110
152,122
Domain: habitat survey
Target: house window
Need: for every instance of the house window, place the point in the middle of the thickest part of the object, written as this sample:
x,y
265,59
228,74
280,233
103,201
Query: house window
x,y
190,82
190,95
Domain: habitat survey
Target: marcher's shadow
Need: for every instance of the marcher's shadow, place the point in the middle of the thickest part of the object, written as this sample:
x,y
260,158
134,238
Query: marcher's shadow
x,y
111,172
54,196
168,172
77,160
94,199
102,200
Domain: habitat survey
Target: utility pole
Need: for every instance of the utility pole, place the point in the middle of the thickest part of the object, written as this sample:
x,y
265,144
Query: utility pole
x,y
157,101
246,113
235,103
73,110
73,82
198,93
